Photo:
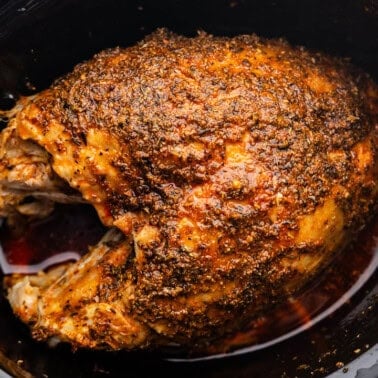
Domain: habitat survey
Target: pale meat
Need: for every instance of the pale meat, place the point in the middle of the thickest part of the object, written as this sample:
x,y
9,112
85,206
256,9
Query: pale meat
x,y
233,169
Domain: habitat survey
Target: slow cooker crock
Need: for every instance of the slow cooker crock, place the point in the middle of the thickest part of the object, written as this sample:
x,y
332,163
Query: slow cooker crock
x,y
43,39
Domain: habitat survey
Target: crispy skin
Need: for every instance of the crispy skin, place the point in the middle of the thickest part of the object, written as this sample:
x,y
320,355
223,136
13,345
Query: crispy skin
x,y
235,168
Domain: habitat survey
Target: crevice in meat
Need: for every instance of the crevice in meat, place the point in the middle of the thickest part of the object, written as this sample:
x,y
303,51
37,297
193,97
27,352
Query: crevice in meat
x,y
28,185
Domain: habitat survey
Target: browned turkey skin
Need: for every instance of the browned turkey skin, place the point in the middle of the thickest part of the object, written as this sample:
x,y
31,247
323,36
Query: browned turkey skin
x,y
233,169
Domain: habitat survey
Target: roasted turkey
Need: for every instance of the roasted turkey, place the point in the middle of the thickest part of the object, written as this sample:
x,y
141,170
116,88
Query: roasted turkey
x,y
229,172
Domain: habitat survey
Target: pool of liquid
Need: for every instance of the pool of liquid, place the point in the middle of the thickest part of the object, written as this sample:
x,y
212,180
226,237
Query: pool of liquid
x,y
64,235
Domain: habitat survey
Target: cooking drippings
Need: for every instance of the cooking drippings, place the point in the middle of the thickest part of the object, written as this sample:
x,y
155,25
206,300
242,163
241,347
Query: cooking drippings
x,y
64,235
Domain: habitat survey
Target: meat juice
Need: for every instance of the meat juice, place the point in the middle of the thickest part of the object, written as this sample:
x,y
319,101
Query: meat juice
x,y
64,235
